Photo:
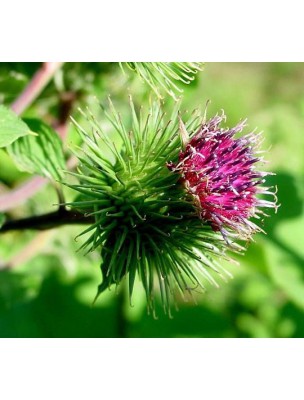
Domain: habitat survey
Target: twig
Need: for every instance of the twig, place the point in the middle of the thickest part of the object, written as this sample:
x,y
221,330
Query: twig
x,y
35,87
17,196
47,221
27,252
66,102
20,194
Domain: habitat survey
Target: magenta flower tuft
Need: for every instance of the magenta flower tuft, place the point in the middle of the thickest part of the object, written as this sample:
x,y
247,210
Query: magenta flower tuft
x,y
219,172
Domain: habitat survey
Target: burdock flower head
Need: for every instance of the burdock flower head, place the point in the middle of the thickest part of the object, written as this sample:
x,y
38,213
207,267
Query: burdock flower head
x,y
219,171
163,213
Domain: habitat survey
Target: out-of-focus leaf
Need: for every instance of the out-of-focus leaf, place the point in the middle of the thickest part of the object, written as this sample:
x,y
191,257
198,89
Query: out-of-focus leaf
x,y
41,154
285,245
11,127
11,85
286,260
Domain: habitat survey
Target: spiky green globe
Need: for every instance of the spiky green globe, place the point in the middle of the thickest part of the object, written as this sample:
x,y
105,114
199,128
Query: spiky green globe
x,y
146,224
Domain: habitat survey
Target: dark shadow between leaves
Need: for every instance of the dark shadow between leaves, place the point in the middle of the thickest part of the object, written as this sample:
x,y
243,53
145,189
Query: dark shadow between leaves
x,y
54,312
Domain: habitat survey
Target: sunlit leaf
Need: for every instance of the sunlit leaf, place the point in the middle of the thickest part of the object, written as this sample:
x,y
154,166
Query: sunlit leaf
x,y
11,127
41,154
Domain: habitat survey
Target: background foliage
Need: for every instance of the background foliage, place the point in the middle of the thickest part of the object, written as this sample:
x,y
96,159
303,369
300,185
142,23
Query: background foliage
x,y
49,292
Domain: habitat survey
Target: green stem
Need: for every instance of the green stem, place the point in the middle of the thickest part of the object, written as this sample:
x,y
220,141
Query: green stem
x,y
121,317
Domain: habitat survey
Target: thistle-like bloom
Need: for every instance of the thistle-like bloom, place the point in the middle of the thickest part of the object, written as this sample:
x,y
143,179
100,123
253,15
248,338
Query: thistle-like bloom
x,y
162,221
219,172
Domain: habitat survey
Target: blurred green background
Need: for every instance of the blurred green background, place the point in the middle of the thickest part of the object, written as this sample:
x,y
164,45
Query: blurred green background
x,y
49,288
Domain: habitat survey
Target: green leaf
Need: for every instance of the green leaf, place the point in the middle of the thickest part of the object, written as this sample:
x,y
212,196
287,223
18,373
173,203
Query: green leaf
x,y
286,255
2,219
11,127
41,154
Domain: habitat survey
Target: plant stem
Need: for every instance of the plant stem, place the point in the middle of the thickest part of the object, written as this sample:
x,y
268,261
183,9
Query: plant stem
x,y
47,221
27,252
20,194
121,317
35,86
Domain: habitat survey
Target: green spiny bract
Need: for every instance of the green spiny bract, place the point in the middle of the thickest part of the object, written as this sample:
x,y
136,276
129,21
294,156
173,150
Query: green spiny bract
x,y
165,76
145,222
